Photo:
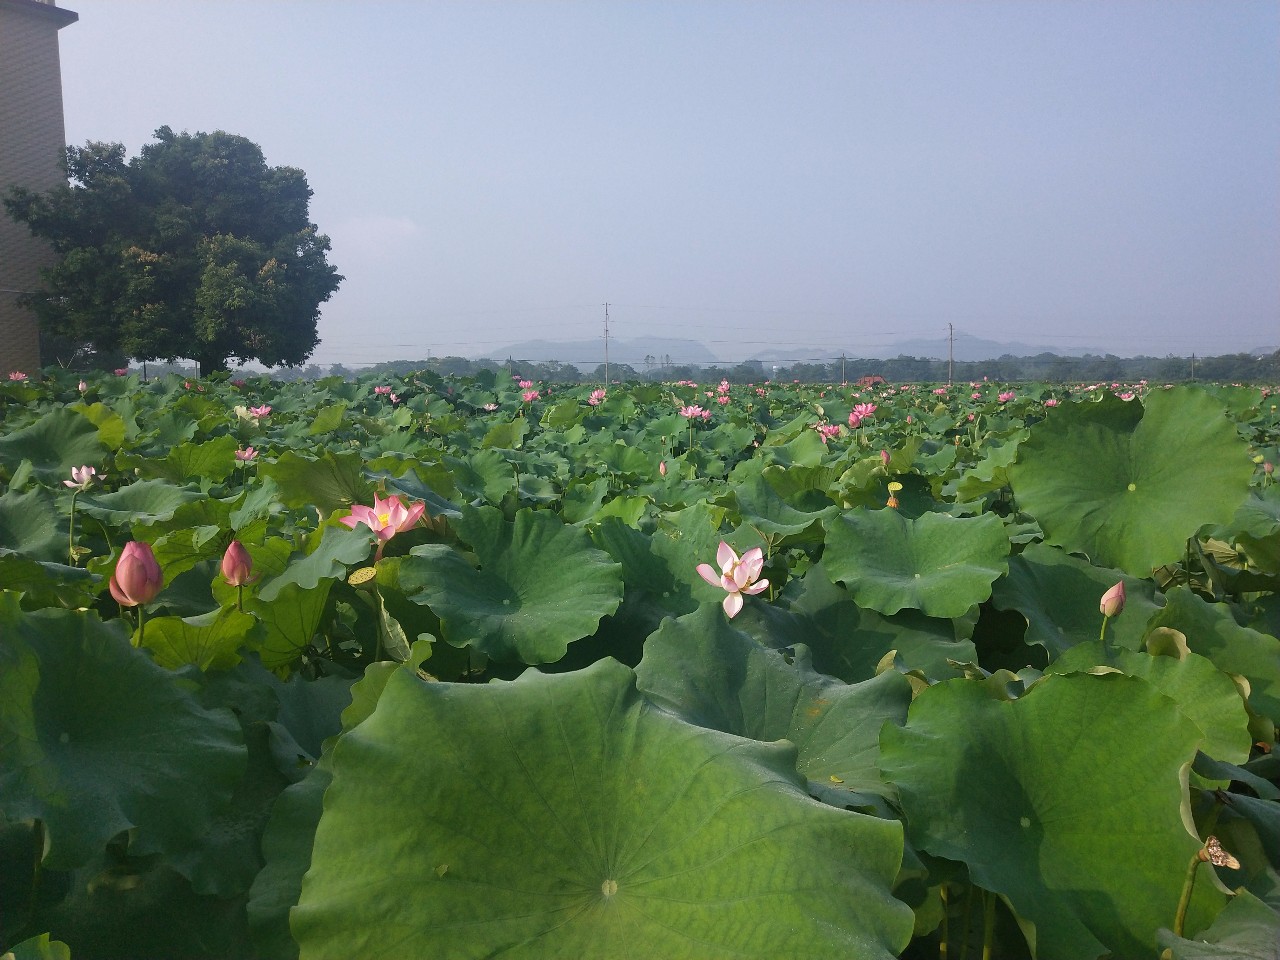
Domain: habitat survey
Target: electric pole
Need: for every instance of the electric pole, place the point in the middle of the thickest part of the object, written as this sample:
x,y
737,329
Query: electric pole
x,y
606,346
951,352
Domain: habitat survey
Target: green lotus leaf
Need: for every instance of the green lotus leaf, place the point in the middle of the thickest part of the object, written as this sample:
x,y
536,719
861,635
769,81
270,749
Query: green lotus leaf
x,y
96,739
564,816
56,442
715,676
48,584
142,502
541,585
1058,594
938,564
39,948
1206,695
849,642
1070,802
1125,484
760,507
485,476
331,482
1247,929
1212,631
210,641
113,429
213,460
289,620
327,419
339,547
30,525
508,435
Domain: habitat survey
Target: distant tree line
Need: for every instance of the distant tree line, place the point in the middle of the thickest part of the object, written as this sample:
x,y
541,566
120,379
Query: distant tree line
x,y
1046,367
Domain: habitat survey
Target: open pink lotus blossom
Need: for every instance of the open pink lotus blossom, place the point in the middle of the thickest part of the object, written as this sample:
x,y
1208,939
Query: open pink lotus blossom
x,y
245,455
737,575
386,518
827,430
530,395
381,390
17,376
1051,402
695,412
121,371
525,384
596,398
1006,396
137,577
259,412
81,478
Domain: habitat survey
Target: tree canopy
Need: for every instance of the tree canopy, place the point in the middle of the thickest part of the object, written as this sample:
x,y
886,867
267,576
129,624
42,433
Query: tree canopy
x,y
193,248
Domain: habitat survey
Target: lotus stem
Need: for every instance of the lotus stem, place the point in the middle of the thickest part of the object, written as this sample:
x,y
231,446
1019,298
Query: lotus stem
x,y
988,922
1180,917
142,624
71,531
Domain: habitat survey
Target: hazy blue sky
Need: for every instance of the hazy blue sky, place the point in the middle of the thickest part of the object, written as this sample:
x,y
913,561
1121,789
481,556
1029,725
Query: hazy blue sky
x,y
754,175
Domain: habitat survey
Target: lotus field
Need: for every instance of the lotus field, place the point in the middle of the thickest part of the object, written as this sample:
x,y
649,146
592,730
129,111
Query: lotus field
x,y
434,668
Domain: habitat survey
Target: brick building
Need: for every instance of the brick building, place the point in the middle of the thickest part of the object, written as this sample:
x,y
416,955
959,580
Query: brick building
x,y
32,141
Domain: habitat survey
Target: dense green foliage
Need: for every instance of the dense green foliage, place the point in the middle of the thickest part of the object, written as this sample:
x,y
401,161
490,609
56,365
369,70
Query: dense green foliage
x,y
194,248
430,670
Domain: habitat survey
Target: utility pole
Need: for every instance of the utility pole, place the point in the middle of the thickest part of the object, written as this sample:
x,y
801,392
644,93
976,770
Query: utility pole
x,y
1193,366
951,352
606,346
843,379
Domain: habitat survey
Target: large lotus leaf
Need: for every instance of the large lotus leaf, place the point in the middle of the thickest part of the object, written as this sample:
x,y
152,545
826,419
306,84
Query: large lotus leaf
x,y
565,816
339,547
1070,802
770,515
1203,693
56,442
715,676
849,642
211,460
485,476
95,739
45,584
1127,485
541,585
30,525
1247,929
1212,632
1058,594
39,948
328,483
141,502
938,564
209,641
289,620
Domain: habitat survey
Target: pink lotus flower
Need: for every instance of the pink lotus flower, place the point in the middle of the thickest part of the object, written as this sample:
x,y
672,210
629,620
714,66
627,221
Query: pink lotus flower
x,y
137,577
596,398
529,396
237,565
884,457
259,412
121,371
525,384
1112,602
662,467
82,386
1006,396
245,455
81,478
394,398
490,407
1051,402
975,396
827,430
736,575
381,390
693,412
386,518
722,400
17,376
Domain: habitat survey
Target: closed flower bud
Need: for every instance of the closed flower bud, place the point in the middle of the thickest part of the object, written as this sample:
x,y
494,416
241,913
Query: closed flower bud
x,y
137,578
1112,601
237,565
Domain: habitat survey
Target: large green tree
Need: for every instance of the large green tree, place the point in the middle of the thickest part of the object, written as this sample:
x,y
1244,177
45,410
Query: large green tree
x,y
193,248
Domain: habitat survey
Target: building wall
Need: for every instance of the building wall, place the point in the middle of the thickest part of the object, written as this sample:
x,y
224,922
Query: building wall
x,y
32,141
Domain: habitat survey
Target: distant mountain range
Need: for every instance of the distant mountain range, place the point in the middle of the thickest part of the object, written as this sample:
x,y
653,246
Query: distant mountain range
x,y
641,352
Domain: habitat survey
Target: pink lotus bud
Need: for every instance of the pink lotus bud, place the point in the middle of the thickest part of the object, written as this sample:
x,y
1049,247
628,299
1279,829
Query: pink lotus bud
x,y
82,386
237,565
884,457
137,578
1268,467
1112,601
662,467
